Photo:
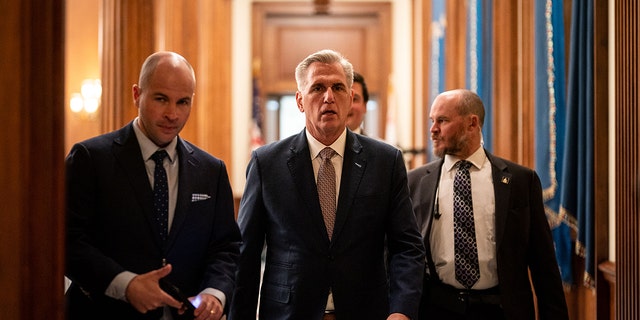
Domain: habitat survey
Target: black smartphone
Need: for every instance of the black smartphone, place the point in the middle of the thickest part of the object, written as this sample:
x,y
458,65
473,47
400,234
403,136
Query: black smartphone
x,y
175,292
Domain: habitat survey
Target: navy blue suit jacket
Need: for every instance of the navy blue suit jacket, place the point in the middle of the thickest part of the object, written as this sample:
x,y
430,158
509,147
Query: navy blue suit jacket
x,y
280,207
110,227
523,237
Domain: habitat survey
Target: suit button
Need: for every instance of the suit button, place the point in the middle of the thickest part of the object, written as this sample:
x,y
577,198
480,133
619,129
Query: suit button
x,y
330,257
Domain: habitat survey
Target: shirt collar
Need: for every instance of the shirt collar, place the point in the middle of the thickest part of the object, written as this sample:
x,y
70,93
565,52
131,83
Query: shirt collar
x,y
477,159
148,148
316,146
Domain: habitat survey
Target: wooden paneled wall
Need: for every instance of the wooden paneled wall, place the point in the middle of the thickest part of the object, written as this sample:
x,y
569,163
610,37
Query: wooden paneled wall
x,y
602,298
128,38
285,32
128,33
627,159
31,160
198,30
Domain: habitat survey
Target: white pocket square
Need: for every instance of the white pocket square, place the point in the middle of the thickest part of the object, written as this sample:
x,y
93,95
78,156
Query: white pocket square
x,y
195,197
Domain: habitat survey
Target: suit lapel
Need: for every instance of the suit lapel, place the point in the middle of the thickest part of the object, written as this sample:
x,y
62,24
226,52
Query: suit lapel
x,y
353,167
187,173
502,192
424,204
301,170
427,192
126,151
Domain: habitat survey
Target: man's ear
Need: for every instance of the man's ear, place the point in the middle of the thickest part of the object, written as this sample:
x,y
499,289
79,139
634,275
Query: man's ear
x,y
474,122
136,94
299,101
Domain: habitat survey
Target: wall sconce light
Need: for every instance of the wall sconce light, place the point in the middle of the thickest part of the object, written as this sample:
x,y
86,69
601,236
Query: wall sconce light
x,y
89,97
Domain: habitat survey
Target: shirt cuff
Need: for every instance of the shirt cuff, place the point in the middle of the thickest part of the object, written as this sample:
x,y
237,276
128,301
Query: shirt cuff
x,y
216,293
117,289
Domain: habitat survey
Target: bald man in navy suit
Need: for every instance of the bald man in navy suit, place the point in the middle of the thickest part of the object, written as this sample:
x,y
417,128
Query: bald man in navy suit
x,y
117,252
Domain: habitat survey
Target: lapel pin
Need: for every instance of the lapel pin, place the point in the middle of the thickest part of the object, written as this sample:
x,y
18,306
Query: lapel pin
x,y
505,180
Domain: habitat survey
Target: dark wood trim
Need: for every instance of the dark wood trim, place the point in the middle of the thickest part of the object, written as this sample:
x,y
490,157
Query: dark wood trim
x,y
601,154
607,270
627,157
32,160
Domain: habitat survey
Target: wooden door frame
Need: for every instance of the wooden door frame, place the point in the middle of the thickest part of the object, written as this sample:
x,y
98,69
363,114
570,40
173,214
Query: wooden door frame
x,y
378,64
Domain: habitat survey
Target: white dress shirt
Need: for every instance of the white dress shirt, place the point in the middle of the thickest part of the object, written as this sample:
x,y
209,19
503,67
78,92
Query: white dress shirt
x,y
442,236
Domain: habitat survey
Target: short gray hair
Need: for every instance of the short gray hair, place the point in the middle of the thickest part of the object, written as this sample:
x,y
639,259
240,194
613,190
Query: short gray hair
x,y
323,56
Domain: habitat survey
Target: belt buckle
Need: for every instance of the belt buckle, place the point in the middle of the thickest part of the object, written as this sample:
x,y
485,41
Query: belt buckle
x,y
463,296
463,301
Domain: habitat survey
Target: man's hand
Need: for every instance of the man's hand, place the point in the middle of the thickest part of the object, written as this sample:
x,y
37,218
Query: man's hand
x,y
210,308
397,316
144,292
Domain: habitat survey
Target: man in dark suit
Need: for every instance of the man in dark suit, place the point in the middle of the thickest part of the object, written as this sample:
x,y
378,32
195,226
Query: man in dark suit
x,y
118,245
510,232
316,268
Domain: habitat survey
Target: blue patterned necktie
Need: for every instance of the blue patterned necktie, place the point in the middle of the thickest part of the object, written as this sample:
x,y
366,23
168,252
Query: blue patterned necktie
x,y
466,248
161,194
327,189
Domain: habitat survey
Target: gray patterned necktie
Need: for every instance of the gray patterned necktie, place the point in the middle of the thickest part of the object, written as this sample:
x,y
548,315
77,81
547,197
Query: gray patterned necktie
x,y
161,194
327,189
466,248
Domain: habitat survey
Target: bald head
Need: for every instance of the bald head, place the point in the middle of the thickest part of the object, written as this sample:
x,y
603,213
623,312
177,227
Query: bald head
x,y
162,57
466,103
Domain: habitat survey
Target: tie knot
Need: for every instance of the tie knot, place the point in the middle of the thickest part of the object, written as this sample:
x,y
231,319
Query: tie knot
x,y
159,156
463,165
327,153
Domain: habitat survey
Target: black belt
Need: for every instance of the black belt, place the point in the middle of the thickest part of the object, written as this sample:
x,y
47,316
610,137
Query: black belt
x,y
458,300
488,296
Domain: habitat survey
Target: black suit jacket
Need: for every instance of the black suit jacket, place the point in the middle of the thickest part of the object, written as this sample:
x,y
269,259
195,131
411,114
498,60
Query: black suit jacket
x,y
523,237
110,227
280,206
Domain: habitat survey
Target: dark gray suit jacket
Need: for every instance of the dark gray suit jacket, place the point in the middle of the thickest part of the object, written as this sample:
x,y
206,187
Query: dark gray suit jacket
x,y
523,237
280,206
110,227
